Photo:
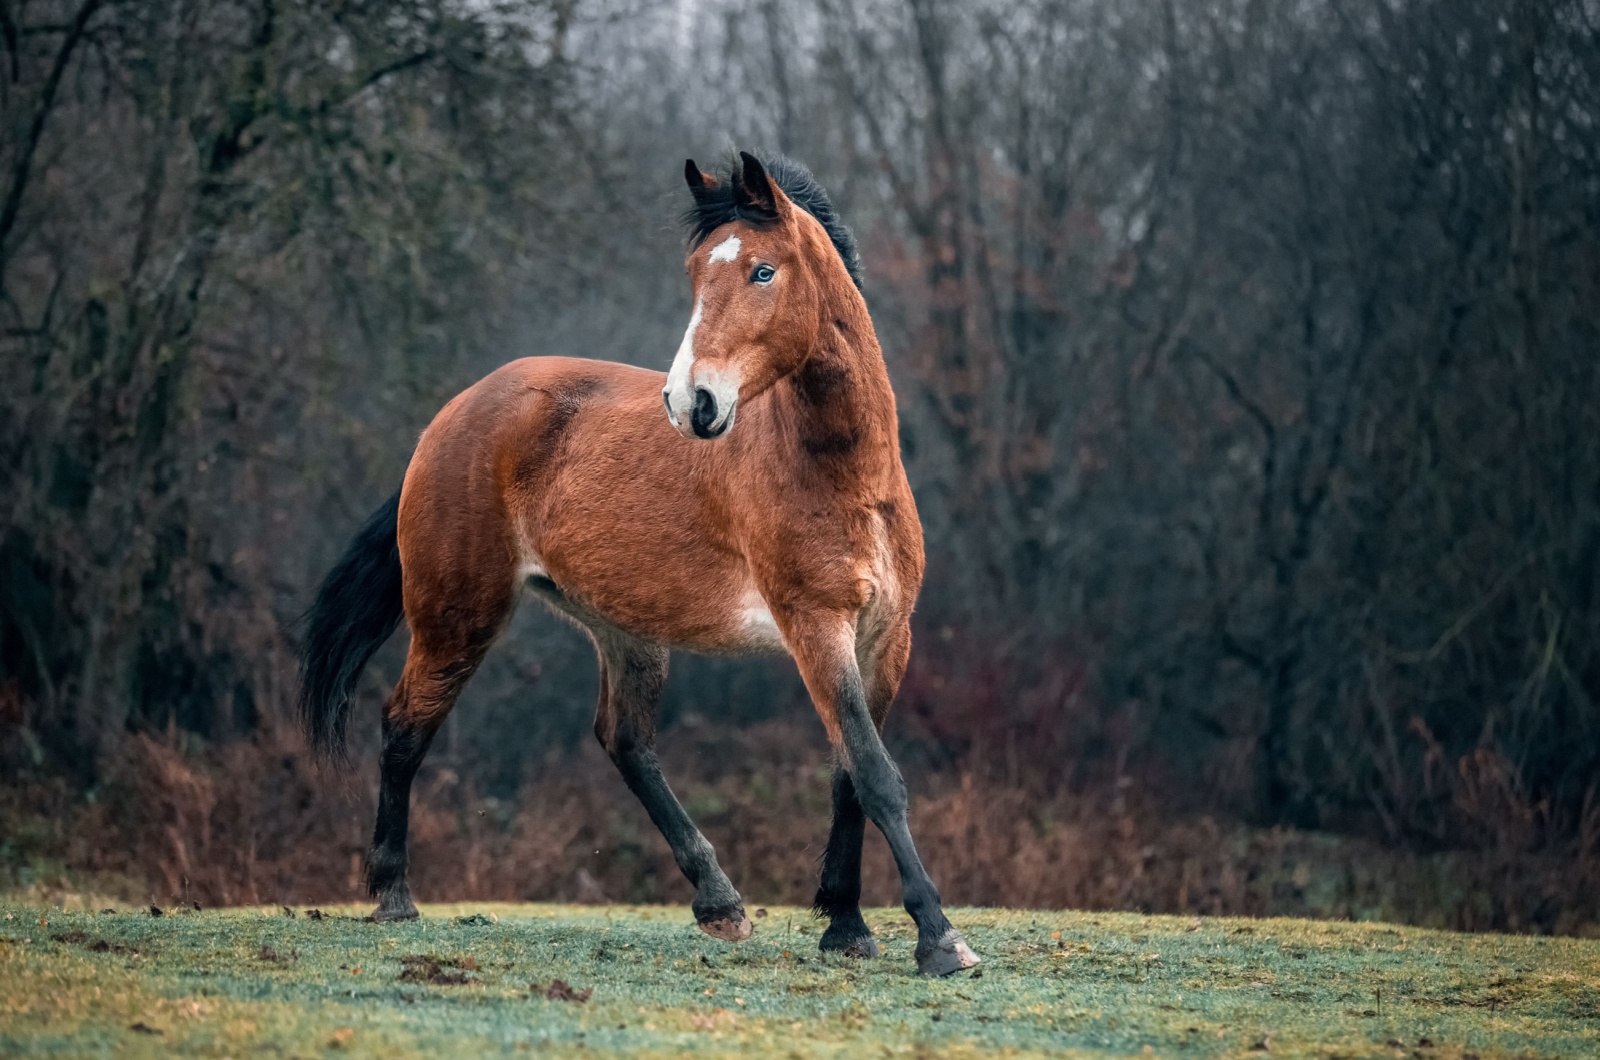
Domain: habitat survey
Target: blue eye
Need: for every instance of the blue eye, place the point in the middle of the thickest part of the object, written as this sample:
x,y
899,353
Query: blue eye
x,y
763,274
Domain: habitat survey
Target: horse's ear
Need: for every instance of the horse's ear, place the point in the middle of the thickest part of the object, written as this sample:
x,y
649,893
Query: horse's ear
x,y
752,190
700,184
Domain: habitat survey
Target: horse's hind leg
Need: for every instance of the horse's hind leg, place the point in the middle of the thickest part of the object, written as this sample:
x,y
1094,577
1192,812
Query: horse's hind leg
x,y
441,659
631,675
405,741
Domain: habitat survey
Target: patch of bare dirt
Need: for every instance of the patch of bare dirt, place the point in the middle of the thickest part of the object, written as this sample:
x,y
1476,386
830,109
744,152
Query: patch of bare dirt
x,y
437,971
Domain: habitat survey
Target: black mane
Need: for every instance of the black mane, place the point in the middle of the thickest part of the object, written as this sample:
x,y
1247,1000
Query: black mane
x,y
715,207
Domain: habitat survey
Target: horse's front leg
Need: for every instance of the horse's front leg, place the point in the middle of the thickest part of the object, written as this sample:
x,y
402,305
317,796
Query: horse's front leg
x,y
824,649
839,891
631,676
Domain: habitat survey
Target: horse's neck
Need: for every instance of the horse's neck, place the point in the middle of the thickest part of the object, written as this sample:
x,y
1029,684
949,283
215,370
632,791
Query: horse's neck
x,y
840,400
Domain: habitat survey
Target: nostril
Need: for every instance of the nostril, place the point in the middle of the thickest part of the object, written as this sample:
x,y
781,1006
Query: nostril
x,y
704,413
666,399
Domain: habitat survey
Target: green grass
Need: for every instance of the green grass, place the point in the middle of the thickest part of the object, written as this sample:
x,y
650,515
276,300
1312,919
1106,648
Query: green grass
x,y
255,981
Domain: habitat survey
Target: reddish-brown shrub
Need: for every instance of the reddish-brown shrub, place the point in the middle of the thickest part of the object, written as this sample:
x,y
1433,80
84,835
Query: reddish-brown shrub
x,y
255,822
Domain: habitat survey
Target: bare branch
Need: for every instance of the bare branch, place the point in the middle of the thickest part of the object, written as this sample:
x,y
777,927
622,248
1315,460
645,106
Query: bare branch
x,y
22,169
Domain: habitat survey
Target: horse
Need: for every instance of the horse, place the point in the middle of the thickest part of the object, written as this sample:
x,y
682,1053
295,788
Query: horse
x,y
766,512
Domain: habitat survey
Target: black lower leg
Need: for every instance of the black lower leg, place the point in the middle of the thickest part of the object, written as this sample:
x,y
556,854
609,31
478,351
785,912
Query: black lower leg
x,y
715,899
404,745
631,676
882,791
883,796
839,893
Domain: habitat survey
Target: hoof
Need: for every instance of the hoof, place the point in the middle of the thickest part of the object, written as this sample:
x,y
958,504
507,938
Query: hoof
x,y
735,927
856,941
387,911
949,955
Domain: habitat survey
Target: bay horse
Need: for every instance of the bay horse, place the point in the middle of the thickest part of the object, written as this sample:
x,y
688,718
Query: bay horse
x,y
767,511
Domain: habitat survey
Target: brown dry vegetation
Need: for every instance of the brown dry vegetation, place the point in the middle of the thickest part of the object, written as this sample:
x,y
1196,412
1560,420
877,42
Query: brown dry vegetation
x,y
253,822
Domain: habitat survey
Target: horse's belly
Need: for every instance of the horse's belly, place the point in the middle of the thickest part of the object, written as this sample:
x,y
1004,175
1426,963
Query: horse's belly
x,y
680,607
621,528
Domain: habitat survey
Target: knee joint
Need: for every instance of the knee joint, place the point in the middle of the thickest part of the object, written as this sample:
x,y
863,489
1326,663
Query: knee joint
x,y
881,789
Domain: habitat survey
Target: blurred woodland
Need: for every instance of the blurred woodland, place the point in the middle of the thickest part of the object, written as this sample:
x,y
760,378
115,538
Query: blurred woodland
x,y
1248,365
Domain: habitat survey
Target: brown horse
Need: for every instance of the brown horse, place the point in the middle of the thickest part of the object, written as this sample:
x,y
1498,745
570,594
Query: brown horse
x,y
794,531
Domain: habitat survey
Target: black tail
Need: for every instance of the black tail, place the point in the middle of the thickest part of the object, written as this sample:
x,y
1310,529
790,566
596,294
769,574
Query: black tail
x,y
357,607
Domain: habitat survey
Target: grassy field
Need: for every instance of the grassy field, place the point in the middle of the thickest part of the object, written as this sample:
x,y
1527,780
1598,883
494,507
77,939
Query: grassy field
x,y
569,980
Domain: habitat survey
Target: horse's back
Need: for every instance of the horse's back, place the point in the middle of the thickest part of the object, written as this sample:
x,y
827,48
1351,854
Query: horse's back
x,y
498,423
573,370
569,381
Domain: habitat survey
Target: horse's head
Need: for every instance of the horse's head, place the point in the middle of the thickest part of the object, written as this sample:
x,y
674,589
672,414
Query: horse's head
x,y
758,268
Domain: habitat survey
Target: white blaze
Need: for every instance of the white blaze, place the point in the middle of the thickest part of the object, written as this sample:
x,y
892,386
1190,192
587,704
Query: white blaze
x,y
727,250
684,378
679,386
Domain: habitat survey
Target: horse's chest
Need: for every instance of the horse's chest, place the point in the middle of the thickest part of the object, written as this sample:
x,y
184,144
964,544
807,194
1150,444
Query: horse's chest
x,y
879,583
860,578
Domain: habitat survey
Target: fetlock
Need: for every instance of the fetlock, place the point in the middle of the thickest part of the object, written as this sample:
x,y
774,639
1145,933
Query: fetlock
x,y
848,934
386,881
394,903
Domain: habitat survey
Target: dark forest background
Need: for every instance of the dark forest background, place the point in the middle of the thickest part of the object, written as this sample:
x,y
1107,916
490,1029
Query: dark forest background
x,y
1248,360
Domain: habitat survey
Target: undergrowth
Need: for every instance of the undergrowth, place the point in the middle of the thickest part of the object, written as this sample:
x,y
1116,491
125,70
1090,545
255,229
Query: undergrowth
x,y
253,822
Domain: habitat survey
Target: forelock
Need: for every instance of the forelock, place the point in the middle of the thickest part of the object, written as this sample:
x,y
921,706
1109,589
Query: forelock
x,y
716,206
